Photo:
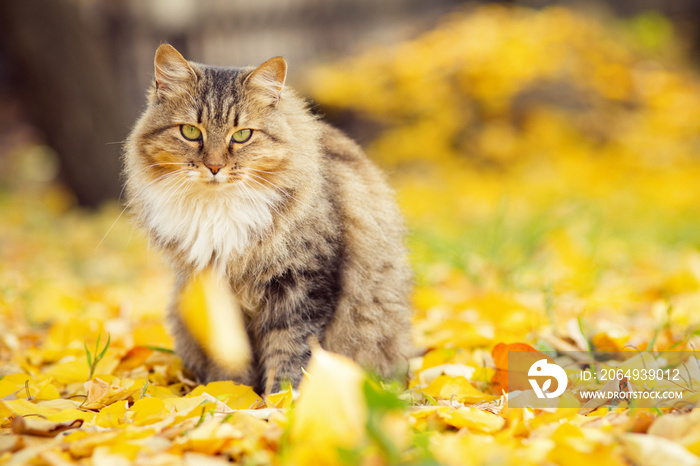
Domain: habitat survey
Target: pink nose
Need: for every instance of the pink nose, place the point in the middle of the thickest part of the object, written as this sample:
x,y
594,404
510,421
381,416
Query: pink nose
x,y
214,168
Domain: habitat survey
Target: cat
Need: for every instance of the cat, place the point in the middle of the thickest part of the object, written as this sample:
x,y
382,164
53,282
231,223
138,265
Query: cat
x,y
228,169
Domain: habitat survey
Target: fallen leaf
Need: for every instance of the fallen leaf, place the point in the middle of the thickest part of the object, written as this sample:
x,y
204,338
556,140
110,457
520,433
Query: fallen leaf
x,y
428,375
112,415
13,383
148,411
680,428
331,412
457,388
22,425
101,393
134,358
474,420
650,450
517,379
213,316
234,395
11,443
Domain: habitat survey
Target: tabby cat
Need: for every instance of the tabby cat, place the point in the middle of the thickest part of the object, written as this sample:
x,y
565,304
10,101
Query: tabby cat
x,y
227,169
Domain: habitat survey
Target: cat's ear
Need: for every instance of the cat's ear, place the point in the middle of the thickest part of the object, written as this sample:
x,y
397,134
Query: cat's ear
x,y
268,79
174,75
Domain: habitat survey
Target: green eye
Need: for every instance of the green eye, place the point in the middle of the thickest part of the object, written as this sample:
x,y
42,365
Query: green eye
x,y
190,132
242,135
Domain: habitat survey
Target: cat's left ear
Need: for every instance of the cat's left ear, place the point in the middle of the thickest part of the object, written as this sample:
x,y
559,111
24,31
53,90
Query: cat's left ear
x,y
174,75
268,79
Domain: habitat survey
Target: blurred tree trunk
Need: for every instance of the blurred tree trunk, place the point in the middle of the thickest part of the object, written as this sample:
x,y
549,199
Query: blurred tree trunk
x,y
64,75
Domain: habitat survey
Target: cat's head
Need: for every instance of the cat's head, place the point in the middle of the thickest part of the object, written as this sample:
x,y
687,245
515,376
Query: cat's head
x,y
220,157
218,128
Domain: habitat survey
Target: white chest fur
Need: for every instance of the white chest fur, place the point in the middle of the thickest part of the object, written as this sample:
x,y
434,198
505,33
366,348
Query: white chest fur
x,y
209,223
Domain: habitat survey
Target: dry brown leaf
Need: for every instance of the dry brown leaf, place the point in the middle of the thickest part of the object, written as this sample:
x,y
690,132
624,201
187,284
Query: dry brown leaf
x,y
27,425
101,393
11,443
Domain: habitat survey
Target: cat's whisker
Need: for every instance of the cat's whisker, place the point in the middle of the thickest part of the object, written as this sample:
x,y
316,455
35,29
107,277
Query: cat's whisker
x,y
166,178
257,177
264,204
166,163
179,189
128,204
272,206
260,184
171,190
254,203
263,171
182,187
153,165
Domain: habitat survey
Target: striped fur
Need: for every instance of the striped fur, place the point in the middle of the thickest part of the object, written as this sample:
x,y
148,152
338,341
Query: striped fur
x,y
300,222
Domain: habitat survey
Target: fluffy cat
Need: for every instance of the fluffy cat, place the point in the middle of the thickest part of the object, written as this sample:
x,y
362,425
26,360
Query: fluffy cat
x,y
227,169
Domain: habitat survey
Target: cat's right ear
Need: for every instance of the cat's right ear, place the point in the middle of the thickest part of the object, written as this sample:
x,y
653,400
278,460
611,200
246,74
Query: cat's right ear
x,y
268,79
174,75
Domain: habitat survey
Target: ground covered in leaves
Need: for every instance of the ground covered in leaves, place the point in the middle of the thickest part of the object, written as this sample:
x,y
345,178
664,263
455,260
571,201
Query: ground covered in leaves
x,y
548,167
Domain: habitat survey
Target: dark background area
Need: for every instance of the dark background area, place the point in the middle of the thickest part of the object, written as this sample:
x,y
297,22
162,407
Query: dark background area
x,y
73,73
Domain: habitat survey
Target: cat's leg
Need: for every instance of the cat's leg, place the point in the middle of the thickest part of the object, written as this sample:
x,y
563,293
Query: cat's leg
x,y
298,306
372,327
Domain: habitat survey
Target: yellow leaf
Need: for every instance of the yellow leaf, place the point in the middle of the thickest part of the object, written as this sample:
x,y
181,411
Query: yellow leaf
x,y
124,449
680,428
23,407
234,395
152,334
471,449
650,450
5,413
69,372
280,399
474,419
82,444
604,342
148,411
134,358
183,406
12,383
213,316
112,415
159,391
66,415
59,404
576,446
207,446
458,388
331,412
46,391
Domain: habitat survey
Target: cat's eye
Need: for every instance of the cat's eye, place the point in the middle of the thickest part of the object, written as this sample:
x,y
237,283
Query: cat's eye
x,y
242,135
191,133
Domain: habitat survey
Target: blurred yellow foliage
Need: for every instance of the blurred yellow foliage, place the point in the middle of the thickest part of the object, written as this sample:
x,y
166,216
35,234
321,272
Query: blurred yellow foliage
x,y
536,150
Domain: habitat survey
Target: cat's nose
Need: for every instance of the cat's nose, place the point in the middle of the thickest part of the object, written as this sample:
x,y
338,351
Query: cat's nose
x,y
214,169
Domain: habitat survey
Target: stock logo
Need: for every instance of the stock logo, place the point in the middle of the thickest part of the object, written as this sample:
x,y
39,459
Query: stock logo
x,y
542,368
